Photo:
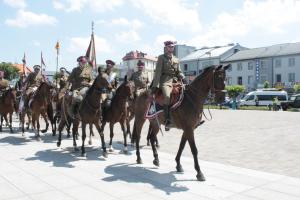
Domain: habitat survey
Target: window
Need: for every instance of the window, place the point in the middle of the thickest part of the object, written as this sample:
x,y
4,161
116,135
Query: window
x,y
229,80
250,80
229,68
240,80
185,67
278,63
240,66
278,78
291,62
250,65
250,98
291,77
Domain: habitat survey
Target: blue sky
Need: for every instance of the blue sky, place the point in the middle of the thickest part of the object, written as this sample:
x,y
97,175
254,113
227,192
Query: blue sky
x,y
123,25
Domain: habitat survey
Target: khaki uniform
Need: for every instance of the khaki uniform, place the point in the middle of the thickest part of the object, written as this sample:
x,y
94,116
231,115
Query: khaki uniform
x,y
167,70
80,77
141,80
33,80
62,80
3,84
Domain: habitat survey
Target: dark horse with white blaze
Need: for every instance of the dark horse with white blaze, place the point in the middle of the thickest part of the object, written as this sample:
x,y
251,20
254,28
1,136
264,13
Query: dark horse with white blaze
x,y
117,111
8,104
186,117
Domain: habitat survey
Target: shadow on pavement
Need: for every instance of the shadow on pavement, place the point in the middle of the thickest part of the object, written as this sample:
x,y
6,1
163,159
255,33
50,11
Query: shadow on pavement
x,y
134,174
65,157
13,140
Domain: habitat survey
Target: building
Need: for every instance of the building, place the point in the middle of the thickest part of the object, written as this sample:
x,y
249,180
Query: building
x,y
182,50
278,64
195,62
129,64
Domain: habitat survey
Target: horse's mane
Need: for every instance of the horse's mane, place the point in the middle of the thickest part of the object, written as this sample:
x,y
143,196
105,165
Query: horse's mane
x,y
204,73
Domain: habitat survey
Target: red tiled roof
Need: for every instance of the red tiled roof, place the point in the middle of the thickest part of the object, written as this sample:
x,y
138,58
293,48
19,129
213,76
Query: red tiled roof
x,y
20,67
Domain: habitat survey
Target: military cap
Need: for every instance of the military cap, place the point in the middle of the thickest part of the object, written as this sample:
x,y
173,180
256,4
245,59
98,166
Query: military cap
x,y
140,63
63,69
36,67
170,43
110,62
82,59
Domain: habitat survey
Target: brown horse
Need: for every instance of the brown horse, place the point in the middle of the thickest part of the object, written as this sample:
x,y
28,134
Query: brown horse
x,y
117,111
8,105
186,117
39,105
89,110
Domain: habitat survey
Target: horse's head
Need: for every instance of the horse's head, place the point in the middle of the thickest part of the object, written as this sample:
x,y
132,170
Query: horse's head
x,y
127,88
218,83
101,82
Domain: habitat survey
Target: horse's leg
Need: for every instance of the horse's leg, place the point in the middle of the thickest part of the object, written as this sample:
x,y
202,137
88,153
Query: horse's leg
x,y
191,139
181,147
138,125
10,122
1,123
38,137
125,150
111,129
47,123
5,118
75,133
83,126
22,120
60,128
102,139
91,133
148,135
154,132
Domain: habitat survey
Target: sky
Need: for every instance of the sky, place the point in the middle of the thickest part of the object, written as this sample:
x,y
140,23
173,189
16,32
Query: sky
x,y
121,26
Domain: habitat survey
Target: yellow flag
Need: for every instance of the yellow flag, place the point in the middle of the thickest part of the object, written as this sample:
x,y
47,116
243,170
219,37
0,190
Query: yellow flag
x,y
57,46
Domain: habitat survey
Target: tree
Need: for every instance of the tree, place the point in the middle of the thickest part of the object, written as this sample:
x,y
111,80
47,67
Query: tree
x,y
10,71
297,88
266,84
234,90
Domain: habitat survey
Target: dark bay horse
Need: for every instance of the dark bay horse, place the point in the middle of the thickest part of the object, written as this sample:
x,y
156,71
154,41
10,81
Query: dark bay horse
x,y
186,117
8,104
39,105
90,109
117,111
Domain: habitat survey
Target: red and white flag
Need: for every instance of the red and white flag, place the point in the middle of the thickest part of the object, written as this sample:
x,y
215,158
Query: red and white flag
x,y
91,53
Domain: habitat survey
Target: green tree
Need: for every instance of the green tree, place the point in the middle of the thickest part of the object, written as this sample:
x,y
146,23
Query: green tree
x,y
234,90
297,88
10,71
266,84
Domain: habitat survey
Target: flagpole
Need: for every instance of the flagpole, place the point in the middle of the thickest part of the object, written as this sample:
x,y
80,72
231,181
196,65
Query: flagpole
x,y
24,62
57,52
41,63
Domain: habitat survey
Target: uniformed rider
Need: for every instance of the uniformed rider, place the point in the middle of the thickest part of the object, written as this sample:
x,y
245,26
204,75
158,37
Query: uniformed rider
x,y
140,78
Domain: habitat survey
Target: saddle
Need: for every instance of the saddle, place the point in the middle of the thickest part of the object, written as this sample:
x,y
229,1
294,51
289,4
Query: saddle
x,y
155,105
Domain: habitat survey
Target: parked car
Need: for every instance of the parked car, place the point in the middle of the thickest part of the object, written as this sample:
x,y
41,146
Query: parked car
x,y
263,97
294,102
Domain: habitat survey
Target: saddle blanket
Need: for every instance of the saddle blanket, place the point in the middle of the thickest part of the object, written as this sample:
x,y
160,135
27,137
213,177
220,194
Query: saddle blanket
x,y
154,108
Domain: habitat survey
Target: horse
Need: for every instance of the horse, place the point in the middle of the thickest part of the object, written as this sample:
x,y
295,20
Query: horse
x,y
8,105
39,104
186,117
117,111
89,111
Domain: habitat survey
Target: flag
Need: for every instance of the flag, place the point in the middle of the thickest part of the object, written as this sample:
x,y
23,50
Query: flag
x,y
24,60
42,60
91,52
57,47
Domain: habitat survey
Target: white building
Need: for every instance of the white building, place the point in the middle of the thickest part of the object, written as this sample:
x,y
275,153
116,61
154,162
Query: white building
x,y
129,64
277,64
182,50
195,62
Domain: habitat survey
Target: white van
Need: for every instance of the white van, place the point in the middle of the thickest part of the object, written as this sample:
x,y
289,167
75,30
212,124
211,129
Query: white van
x,y
263,97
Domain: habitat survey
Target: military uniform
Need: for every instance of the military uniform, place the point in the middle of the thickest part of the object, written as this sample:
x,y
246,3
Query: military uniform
x,y
113,80
167,70
62,80
141,80
3,84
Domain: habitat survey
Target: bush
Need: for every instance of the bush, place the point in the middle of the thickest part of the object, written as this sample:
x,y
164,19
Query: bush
x,y
10,71
297,88
234,90
266,84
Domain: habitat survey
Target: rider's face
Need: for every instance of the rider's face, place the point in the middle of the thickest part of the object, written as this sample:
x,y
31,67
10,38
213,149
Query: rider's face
x,y
170,49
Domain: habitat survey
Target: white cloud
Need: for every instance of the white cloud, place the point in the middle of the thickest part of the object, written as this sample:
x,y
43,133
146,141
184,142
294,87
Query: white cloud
x,y
15,3
80,44
132,24
266,17
27,18
36,43
95,5
127,36
173,13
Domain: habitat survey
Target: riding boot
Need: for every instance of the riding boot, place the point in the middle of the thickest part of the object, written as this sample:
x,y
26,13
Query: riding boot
x,y
167,117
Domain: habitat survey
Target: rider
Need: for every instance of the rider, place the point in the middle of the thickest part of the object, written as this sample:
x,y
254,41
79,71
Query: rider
x,y
62,78
167,71
140,78
113,80
80,80
4,84
31,83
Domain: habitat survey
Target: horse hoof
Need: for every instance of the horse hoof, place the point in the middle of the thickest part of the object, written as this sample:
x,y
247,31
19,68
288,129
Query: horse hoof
x,y
200,177
90,142
53,133
38,138
125,151
148,143
104,154
43,131
156,162
58,144
111,149
76,149
157,146
83,154
179,168
11,131
139,161
68,136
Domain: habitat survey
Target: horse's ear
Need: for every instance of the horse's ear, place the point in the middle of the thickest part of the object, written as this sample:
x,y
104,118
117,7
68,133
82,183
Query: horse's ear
x,y
99,71
218,67
227,66
125,78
